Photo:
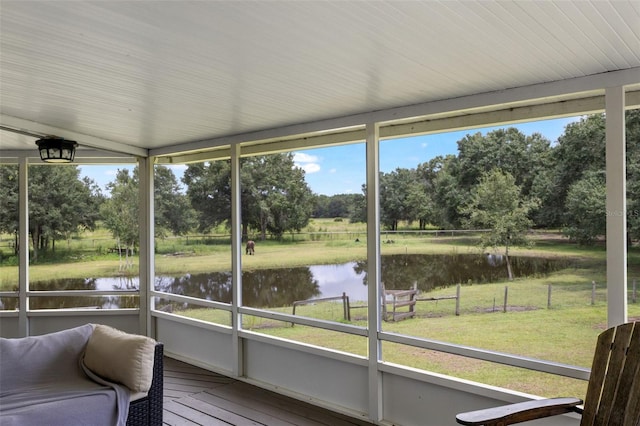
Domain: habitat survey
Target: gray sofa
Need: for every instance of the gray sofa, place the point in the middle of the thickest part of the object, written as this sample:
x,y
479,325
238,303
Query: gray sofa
x,y
91,374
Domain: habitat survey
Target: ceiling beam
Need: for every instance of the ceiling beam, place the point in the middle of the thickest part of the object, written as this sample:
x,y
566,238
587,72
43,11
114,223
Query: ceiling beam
x,y
566,108
270,147
35,129
83,156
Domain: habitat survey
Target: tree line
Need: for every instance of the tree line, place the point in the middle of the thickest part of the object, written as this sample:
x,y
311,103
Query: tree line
x,y
562,184
62,204
501,179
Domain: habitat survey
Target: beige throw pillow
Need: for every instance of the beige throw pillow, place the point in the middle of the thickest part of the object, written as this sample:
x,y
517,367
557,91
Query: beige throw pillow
x,y
121,357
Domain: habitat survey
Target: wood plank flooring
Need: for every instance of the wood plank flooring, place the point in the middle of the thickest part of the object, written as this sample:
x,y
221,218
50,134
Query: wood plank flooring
x,y
193,396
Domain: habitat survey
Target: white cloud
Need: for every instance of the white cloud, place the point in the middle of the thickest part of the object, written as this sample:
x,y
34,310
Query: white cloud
x,y
308,163
333,170
310,167
301,157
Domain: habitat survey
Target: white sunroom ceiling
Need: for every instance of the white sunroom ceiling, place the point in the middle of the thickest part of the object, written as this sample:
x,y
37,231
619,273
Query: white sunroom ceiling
x,y
143,75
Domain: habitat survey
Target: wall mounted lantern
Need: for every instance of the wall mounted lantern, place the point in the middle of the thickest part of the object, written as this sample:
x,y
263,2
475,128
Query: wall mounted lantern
x,y
56,150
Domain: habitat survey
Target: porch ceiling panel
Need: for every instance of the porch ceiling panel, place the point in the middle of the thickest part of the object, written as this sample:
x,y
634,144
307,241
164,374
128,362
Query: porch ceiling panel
x,y
153,75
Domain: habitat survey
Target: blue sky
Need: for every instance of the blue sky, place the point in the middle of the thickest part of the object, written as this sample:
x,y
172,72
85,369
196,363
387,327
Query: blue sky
x,y
341,170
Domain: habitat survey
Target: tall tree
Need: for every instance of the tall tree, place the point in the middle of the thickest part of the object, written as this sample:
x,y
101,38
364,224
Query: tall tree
x,y
393,206
60,203
341,205
448,196
402,197
209,190
278,198
525,157
633,172
508,149
427,174
9,202
359,212
496,204
120,212
173,212
575,161
321,205
284,199
585,208
274,195
579,150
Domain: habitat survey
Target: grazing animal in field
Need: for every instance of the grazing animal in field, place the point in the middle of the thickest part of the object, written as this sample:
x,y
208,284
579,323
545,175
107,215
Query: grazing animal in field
x,y
251,247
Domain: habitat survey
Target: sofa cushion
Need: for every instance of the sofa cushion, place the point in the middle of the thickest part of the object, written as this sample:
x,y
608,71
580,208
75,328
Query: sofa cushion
x,y
41,382
121,357
48,358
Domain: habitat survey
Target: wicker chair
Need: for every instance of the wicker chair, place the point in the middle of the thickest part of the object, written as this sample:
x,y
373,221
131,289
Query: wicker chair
x,y
148,410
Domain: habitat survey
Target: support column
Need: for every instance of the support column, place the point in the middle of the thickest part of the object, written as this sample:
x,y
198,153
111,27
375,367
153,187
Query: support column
x,y
373,270
236,261
147,244
23,241
616,207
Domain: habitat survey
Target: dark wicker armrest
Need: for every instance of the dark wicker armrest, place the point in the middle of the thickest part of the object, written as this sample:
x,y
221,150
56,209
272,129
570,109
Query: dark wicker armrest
x,y
521,412
148,410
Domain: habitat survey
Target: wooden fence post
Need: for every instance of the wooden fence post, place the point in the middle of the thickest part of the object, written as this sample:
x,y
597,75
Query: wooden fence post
x,y
345,306
458,300
549,297
593,292
506,296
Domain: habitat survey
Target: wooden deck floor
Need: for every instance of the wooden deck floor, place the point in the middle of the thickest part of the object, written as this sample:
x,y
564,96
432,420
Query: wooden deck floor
x,y
193,396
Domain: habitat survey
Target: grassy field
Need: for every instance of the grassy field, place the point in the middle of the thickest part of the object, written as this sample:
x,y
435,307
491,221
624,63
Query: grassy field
x,y
563,332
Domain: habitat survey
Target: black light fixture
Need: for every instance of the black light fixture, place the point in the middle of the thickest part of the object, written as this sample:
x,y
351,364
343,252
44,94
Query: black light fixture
x,y
56,150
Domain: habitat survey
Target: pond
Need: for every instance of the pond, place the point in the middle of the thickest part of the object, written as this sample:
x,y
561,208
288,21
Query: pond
x,y
268,288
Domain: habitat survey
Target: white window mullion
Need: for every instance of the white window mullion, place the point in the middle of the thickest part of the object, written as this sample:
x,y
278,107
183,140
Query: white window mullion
x,y
147,243
23,225
373,271
616,170
236,260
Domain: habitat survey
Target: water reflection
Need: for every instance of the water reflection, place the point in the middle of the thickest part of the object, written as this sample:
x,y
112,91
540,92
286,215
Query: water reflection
x,y
430,272
265,288
268,288
109,283
70,301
